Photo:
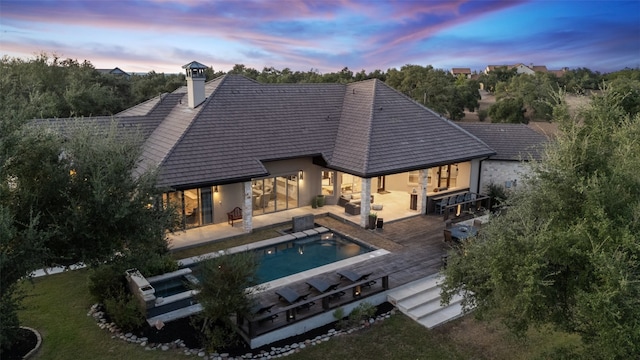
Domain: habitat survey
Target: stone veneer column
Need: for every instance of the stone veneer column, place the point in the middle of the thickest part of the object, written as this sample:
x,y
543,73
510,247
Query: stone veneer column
x,y
247,208
365,202
422,193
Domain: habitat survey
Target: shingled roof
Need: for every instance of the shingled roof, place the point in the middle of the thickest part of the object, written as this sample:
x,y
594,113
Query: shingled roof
x,y
364,128
513,142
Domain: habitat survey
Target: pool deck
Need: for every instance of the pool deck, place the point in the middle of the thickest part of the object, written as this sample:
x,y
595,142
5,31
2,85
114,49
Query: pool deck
x,y
411,248
415,248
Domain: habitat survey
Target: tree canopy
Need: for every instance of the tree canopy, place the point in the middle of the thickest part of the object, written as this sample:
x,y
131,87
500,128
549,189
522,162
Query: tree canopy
x,y
566,251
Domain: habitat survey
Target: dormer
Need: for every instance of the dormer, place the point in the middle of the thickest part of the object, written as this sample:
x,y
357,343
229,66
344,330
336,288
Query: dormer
x,y
195,83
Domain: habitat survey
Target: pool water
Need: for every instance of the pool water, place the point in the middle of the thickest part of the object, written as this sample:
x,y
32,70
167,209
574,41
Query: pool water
x,y
292,257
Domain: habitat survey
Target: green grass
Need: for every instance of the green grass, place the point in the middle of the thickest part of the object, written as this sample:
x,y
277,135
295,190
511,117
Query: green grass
x,y
57,306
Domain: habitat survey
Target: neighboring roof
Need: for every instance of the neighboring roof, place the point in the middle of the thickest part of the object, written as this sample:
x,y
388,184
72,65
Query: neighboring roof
x,y
364,128
114,71
465,71
516,142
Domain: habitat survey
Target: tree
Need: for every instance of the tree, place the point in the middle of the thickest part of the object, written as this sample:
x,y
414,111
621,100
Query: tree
x,y
499,74
435,89
224,295
567,249
534,91
509,110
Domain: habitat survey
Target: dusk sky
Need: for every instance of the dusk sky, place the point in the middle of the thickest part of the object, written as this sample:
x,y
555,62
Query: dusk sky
x,y
324,35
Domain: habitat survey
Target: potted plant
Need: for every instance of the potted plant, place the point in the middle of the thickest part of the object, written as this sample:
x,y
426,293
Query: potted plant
x,y
372,220
320,199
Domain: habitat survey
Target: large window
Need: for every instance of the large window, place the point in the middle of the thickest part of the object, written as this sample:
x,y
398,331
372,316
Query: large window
x,y
195,205
328,182
349,184
275,194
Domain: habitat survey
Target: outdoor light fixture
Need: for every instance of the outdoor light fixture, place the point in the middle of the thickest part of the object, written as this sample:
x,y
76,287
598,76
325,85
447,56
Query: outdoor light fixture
x,y
357,291
215,189
301,174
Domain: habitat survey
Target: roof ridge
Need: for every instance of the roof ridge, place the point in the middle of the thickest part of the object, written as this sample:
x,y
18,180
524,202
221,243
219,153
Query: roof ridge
x,y
369,129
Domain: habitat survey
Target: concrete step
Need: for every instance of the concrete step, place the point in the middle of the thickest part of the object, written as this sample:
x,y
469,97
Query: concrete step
x,y
454,310
416,300
413,288
430,307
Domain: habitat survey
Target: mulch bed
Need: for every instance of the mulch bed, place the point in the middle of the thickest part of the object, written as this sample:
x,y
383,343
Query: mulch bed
x,y
183,330
26,342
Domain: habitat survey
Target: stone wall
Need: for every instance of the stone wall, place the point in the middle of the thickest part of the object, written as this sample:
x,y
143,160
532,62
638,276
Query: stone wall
x,y
508,174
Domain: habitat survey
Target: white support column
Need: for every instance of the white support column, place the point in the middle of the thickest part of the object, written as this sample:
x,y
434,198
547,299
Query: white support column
x,y
247,208
365,202
422,203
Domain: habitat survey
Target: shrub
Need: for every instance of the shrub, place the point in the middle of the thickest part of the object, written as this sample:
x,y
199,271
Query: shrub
x,y
124,310
360,313
364,311
497,195
223,294
482,114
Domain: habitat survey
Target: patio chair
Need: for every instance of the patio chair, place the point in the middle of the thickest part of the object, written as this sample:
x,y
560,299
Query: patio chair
x,y
442,204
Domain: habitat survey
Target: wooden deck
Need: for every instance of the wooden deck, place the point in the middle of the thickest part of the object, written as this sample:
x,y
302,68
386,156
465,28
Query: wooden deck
x,y
416,246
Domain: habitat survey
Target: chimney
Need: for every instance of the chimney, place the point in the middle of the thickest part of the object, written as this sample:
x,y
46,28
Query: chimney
x,y
195,83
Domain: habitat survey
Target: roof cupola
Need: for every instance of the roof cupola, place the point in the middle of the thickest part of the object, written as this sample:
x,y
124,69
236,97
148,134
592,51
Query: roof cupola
x,y
195,83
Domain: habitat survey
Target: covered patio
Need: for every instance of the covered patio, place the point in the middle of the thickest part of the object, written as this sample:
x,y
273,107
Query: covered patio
x,y
396,206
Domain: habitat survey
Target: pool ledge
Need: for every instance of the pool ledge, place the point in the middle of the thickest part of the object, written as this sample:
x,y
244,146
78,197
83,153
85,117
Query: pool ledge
x,y
318,271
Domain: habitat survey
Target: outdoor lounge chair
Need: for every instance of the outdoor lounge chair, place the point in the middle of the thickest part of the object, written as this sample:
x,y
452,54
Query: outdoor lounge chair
x,y
260,309
323,286
355,277
291,296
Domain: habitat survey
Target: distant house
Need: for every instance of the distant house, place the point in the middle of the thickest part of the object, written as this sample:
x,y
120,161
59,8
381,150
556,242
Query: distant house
x,y
515,146
559,73
525,69
491,68
115,71
461,71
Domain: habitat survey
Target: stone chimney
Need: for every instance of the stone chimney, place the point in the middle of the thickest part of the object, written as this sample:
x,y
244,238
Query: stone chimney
x,y
195,83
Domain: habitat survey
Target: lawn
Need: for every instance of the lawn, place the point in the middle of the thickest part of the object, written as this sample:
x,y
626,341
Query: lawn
x,y
57,306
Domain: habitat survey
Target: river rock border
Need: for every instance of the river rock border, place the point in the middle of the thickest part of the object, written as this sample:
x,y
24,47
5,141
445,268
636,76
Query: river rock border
x,y
179,346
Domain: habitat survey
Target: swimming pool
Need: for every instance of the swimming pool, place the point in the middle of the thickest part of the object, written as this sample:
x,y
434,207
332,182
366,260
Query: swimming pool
x,y
280,258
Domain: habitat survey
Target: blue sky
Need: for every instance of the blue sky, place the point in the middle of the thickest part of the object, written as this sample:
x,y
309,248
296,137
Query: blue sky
x,y
325,35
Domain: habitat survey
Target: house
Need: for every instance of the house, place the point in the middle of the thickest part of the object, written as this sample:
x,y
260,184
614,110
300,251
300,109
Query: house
x,y
466,72
115,71
515,145
233,142
520,68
